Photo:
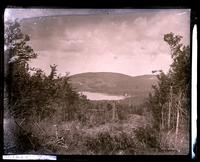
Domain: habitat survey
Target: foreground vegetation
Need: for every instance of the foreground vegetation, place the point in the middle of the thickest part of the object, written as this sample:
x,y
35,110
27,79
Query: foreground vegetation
x,y
49,116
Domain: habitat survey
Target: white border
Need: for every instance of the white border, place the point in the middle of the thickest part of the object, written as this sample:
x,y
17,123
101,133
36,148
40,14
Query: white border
x,y
194,89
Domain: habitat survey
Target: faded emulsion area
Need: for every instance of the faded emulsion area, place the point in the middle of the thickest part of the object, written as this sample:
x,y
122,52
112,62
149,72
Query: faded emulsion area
x,y
97,82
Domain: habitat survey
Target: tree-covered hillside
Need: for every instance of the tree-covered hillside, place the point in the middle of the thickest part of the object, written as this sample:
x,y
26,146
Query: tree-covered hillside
x,y
113,83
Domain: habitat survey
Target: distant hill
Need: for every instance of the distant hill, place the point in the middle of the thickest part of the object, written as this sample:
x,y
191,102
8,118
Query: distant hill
x,y
113,83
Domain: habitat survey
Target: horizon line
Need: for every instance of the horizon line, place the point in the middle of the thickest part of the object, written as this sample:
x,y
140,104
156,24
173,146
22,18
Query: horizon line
x,y
111,72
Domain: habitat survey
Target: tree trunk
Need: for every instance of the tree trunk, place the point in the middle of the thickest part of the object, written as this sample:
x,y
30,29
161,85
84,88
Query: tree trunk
x,y
162,117
177,117
177,124
161,125
169,112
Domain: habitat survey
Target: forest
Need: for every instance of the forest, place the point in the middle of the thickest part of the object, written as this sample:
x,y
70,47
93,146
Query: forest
x,y
51,117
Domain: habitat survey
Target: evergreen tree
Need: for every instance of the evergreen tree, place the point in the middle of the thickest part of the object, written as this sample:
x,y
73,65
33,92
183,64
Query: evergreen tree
x,y
17,55
169,102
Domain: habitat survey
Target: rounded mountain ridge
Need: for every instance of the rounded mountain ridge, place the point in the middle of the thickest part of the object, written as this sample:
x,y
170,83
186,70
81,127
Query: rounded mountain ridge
x,y
113,83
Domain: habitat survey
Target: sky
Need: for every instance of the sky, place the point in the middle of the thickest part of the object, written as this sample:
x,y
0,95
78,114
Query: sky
x,y
128,41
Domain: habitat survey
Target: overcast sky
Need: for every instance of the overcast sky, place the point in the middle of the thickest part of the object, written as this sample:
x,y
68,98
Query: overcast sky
x,y
124,41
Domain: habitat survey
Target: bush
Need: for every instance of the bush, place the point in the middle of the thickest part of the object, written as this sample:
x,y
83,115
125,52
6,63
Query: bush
x,y
106,144
148,136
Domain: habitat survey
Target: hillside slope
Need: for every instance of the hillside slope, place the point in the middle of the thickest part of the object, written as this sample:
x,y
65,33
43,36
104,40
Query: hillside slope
x,y
113,83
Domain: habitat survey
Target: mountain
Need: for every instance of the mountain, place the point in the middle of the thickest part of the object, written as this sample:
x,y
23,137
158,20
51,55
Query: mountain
x,y
113,83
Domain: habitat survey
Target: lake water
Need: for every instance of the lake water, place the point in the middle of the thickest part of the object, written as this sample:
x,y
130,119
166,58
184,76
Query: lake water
x,y
101,96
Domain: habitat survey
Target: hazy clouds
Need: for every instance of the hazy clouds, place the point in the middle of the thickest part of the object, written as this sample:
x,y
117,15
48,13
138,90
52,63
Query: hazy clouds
x,y
124,41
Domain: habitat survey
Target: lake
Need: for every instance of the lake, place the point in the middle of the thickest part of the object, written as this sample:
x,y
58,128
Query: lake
x,y
101,96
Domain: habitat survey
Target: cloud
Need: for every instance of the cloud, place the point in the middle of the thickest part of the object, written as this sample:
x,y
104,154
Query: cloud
x,y
130,43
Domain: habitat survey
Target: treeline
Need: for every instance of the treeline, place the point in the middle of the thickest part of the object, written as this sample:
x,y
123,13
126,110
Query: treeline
x,y
170,100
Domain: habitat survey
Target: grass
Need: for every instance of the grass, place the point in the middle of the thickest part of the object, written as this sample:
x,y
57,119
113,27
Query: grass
x,y
106,139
